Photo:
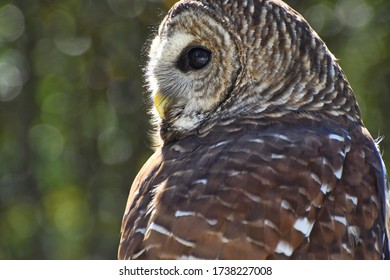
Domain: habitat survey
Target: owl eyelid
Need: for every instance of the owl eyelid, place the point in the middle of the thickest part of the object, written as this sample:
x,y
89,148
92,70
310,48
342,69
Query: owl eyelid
x,y
183,63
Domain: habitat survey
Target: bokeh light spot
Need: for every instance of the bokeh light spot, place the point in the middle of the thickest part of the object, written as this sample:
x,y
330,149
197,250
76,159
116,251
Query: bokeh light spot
x,y
114,146
323,19
14,72
21,219
68,212
47,141
55,107
354,13
73,46
11,23
125,8
11,82
47,59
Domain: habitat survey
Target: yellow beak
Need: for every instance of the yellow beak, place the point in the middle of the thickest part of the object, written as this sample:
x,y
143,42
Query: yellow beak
x,y
161,102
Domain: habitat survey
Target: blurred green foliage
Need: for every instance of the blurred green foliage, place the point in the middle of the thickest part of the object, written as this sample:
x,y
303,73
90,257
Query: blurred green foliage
x,y
73,121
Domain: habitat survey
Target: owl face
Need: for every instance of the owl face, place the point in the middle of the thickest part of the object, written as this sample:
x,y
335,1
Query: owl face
x,y
193,65
214,60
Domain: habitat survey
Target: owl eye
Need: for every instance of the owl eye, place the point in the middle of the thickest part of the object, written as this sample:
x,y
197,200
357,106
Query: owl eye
x,y
198,58
194,58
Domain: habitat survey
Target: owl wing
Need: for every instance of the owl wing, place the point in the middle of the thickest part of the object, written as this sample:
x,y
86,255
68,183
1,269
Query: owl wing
x,y
249,191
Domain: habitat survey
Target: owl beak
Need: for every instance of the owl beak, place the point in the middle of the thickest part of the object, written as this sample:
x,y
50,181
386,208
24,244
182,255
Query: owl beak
x,y
161,102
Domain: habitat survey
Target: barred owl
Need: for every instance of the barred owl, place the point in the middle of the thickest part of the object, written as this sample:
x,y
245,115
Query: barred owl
x,y
263,152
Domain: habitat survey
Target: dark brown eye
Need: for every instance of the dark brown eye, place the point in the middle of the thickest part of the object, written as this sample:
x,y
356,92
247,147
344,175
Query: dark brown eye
x,y
198,58
194,58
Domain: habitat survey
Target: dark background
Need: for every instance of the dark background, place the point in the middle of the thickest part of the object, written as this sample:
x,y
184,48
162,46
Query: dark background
x,y
73,122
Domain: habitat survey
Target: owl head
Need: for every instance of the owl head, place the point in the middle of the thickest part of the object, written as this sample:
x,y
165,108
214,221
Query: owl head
x,y
218,60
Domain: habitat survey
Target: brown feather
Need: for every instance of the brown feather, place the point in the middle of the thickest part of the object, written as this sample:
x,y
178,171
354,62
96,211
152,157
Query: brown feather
x,y
246,196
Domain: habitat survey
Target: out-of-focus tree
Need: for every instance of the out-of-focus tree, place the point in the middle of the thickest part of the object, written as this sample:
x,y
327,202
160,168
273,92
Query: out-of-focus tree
x,y
73,111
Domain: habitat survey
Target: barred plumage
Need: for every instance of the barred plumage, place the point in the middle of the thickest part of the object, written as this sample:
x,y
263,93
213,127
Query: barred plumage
x,y
264,154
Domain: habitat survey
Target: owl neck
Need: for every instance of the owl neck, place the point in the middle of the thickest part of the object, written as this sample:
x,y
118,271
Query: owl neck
x,y
330,96
329,99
